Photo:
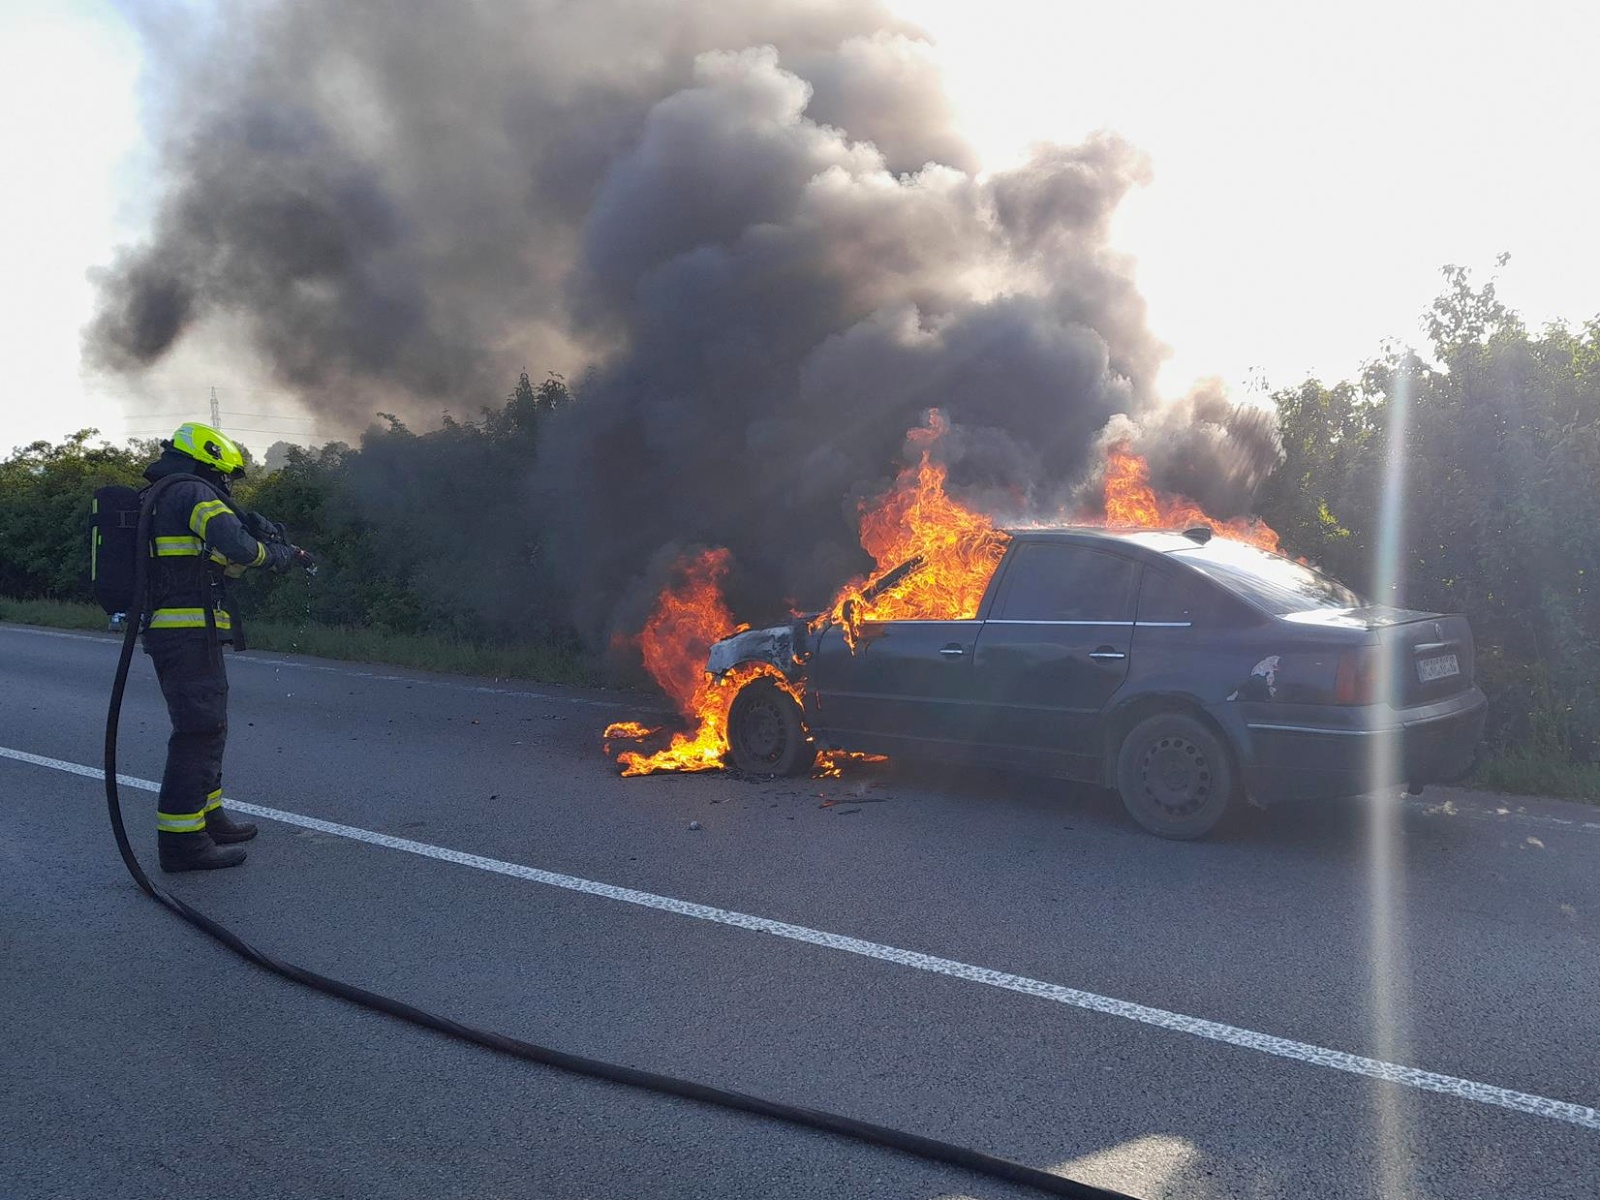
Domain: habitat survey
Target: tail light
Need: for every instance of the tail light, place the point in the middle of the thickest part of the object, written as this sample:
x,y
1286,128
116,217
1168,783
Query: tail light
x,y
1357,679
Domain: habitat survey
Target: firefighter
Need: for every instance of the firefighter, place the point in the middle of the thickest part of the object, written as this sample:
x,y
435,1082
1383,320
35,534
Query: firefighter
x,y
199,541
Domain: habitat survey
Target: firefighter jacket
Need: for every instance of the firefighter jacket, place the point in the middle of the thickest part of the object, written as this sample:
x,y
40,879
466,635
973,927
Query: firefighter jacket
x,y
197,540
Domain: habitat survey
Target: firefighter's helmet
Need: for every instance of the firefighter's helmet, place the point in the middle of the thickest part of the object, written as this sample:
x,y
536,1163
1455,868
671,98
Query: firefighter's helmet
x,y
210,448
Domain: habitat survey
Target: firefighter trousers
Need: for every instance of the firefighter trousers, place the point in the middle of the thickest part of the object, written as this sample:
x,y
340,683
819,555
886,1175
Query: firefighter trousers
x,y
195,684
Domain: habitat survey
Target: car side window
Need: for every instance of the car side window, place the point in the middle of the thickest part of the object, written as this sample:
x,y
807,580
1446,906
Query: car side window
x,y
1067,583
1177,597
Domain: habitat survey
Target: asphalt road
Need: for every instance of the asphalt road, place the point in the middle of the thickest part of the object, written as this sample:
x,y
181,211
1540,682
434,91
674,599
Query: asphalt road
x,y
962,955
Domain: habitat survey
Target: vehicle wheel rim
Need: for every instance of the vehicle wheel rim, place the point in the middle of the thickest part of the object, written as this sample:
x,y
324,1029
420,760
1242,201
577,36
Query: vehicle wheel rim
x,y
761,732
1176,776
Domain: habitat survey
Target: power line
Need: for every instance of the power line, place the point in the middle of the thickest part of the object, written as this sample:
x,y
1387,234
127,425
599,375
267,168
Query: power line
x,y
170,402
284,434
225,427
272,416
225,412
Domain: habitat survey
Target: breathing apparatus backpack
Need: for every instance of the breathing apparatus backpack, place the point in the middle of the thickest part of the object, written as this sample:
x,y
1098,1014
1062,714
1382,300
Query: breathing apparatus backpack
x,y
114,547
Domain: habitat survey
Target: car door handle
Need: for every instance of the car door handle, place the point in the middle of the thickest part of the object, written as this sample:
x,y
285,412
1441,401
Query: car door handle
x,y
1106,654
953,651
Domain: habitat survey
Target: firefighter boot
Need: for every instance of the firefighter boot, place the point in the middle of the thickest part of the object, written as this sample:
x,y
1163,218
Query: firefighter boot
x,y
224,830
194,852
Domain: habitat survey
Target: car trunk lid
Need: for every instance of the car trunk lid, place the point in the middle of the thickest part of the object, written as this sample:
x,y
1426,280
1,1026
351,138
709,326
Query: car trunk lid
x,y
1425,656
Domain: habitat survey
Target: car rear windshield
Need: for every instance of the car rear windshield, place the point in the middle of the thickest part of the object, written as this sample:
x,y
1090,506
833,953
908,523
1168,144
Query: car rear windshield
x,y
1277,584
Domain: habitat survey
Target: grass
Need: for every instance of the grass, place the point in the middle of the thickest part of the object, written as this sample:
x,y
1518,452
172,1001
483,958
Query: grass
x,y
544,664
1519,773
1526,774
424,652
57,614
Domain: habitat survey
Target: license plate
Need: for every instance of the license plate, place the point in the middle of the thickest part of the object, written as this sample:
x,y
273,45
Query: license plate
x,y
1437,667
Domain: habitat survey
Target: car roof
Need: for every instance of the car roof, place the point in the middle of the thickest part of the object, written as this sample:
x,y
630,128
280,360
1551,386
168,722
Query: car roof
x,y
1163,541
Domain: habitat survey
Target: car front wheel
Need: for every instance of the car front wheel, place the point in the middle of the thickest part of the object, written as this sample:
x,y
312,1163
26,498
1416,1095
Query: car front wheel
x,y
767,733
1175,776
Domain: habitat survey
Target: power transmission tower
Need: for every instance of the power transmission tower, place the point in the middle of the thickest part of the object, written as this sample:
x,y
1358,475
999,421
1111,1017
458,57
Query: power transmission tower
x,y
216,413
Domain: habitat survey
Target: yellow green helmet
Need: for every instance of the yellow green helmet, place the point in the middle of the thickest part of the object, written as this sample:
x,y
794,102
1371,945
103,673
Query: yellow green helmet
x,y
210,448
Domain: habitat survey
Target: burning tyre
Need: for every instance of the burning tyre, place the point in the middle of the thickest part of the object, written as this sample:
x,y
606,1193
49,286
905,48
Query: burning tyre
x,y
767,734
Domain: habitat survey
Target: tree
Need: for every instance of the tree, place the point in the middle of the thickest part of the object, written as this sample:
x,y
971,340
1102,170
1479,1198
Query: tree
x,y
45,492
1501,462
1320,498
433,532
277,457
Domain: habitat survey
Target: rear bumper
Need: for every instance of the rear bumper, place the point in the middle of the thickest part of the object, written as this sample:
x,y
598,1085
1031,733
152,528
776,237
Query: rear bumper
x,y
1303,752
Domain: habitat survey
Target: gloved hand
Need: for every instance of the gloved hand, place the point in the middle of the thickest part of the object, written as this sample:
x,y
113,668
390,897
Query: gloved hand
x,y
263,530
279,557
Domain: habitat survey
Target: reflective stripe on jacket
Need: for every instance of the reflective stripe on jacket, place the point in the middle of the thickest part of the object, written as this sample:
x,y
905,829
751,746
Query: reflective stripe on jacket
x,y
188,618
195,537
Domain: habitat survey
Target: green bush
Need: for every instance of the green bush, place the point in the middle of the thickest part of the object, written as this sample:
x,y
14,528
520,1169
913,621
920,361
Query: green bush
x,y
1501,457
432,545
44,511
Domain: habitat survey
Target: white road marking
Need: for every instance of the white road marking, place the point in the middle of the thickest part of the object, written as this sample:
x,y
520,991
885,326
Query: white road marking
x,y
1318,1056
256,660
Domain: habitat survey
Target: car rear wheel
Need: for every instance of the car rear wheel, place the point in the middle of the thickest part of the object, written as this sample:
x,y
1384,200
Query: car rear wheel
x,y
767,733
1175,776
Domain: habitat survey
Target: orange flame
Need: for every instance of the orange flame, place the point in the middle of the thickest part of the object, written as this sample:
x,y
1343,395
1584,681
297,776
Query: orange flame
x,y
958,549
1131,503
689,615
830,763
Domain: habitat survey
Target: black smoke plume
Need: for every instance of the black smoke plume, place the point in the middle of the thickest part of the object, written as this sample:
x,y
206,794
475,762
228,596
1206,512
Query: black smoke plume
x,y
751,225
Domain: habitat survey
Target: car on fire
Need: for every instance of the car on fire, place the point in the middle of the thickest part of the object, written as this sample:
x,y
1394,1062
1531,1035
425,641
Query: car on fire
x,y
1187,671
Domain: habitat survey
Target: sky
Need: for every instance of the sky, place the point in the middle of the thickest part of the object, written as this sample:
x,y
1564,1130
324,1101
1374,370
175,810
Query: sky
x,y
1313,169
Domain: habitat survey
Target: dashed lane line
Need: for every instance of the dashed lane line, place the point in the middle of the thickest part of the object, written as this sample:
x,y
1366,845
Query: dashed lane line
x,y
1249,1039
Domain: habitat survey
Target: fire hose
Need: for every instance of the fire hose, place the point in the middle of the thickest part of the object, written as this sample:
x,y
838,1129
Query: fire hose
x,y
931,1149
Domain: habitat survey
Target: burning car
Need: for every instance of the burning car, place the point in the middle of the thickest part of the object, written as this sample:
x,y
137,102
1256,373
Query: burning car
x,y
1186,670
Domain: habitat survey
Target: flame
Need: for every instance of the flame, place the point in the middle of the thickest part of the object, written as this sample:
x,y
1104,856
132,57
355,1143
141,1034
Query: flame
x,y
689,615
956,549
1131,503
628,731
830,763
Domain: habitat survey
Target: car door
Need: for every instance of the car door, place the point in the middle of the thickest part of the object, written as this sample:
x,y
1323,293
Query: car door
x,y
1054,651
903,686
